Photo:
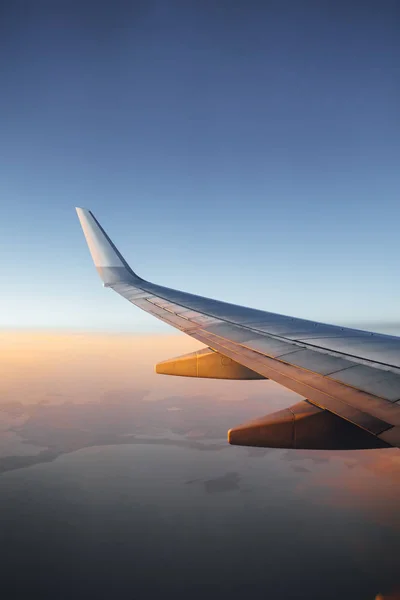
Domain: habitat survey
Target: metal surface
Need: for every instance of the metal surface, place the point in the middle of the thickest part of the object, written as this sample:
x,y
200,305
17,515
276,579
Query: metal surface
x,y
303,426
270,346
375,349
206,363
369,379
320,362
233,332
316,361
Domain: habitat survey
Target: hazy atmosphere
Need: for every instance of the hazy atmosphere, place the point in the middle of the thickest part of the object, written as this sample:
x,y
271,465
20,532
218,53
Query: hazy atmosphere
x,y
241,150
119,482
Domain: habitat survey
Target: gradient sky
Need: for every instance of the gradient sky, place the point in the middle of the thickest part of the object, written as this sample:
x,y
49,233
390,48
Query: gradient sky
x,y
247,151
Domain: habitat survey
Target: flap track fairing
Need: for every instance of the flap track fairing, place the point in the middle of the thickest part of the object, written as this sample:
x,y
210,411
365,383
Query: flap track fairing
x,y
206,363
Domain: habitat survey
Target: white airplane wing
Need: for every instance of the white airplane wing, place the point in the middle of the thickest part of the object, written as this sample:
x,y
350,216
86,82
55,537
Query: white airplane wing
x,y
350,379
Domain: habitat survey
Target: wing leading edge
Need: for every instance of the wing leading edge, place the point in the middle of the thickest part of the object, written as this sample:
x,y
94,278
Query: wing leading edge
x,y
350,378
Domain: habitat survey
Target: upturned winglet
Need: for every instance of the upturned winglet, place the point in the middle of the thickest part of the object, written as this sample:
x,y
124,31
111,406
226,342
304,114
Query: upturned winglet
x,y
109,262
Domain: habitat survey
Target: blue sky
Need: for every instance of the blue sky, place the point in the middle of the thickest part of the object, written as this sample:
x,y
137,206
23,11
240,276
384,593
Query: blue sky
x,y
247,151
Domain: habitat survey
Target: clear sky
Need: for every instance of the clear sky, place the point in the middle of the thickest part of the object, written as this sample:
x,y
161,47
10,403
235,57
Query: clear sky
x,y
247,151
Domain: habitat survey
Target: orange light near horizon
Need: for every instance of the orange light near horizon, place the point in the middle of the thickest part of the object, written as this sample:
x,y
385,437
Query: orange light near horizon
x,y
39,365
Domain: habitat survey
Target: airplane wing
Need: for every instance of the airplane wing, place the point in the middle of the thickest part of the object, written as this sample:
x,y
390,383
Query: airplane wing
x,y
349,379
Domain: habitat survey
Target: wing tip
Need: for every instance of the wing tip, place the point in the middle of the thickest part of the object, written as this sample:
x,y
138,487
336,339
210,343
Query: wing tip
x,y
110,263
102,249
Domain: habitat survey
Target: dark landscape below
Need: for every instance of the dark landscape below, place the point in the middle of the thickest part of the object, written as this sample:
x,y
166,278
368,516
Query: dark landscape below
x,y
139,495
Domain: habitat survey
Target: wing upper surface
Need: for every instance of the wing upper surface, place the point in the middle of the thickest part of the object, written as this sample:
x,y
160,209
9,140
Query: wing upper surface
x,y
352,373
